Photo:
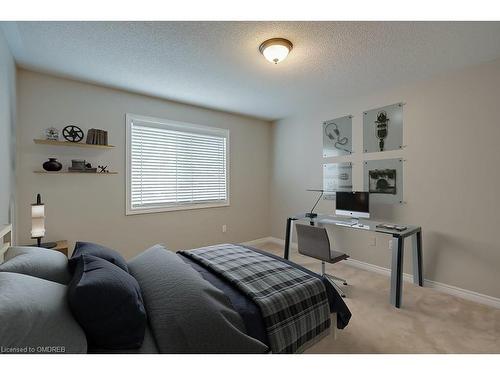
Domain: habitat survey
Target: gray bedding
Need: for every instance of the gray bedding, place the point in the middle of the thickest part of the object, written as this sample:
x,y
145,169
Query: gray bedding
x,y
187,319
189,310
293,304
35,317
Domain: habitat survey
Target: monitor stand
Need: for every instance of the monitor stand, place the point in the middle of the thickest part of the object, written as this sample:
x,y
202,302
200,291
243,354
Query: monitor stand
x,y
350,219
354,221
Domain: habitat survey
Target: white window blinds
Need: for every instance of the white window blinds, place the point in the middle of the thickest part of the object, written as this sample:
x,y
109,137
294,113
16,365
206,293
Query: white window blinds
x,y
176,166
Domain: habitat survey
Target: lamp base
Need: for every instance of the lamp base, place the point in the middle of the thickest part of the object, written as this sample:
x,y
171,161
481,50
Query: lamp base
x,y
46,245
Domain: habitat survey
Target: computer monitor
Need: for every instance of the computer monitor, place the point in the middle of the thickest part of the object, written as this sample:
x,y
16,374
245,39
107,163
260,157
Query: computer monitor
x,y
355,204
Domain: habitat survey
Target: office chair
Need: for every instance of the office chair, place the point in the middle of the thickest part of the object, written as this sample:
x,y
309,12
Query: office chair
x,y
314,242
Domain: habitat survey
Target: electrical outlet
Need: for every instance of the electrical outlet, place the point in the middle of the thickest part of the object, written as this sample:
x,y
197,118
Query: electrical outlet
x,y
224,228
373,241
390,244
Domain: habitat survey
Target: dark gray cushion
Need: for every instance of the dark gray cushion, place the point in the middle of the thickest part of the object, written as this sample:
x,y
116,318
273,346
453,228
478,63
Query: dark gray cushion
x,y
38,262
96,250
148,346
34,317
107,303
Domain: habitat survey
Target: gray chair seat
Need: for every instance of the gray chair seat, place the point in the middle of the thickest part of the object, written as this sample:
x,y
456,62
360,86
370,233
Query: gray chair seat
x,y
337,256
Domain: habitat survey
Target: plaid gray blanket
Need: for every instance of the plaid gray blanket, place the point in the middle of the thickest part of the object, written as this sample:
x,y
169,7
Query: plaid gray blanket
x,y
293,304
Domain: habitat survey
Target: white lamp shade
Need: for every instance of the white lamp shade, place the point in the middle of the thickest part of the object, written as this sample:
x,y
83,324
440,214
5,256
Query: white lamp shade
x,y
37,210
276,50
275,53
37,227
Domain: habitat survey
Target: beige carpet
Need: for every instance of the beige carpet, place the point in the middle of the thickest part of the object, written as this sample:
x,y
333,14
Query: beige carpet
x,y
428,322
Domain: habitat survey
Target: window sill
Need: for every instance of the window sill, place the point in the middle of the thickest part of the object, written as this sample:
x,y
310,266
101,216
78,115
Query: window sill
x,y
139,211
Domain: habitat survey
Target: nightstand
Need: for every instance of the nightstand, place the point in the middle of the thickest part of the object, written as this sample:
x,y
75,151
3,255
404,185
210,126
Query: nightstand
x,y
62,247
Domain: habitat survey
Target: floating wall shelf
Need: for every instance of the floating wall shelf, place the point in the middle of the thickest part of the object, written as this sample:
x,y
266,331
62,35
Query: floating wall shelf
x,y
66,172
71,144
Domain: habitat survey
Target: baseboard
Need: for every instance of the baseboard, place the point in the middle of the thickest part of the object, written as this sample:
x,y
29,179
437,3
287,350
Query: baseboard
x,y
274,240
445,288
260,241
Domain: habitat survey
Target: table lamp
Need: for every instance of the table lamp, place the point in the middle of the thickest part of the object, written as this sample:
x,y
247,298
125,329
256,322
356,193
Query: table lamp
x,y
312,214
38,223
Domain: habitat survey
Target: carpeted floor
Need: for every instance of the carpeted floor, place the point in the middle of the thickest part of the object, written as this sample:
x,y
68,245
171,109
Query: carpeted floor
x,y
428,322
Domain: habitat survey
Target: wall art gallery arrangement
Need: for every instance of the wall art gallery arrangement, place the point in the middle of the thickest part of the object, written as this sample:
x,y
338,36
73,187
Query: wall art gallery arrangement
x,y
382,131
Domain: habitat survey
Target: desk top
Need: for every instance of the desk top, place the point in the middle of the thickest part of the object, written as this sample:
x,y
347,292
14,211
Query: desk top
x,y
364,224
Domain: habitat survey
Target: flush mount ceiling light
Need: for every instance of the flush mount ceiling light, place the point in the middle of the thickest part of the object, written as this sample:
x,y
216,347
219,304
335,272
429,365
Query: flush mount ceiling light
x,y
276,50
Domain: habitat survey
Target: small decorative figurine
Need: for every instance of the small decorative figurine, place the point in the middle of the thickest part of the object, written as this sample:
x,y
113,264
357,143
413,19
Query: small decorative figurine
x,y
52,134
103,168
72,133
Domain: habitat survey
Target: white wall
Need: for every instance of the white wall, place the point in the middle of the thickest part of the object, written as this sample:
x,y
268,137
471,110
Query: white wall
x,y
90,207
451,176
7,132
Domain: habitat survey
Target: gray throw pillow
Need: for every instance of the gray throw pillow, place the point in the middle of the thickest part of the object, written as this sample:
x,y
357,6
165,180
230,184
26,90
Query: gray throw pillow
x,y
38,262
35,317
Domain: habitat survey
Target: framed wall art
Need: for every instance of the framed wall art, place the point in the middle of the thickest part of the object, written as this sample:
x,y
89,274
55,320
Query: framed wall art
x,y
383,179
383,128
337,137
336,177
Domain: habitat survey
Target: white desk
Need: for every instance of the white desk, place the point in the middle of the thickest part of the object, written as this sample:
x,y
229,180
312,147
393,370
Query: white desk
x,y
397,247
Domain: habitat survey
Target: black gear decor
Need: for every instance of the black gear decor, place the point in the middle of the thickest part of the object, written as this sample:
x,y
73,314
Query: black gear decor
x,y
72,133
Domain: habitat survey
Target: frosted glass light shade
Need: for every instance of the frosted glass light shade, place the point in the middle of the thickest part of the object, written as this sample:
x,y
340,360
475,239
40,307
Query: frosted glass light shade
x,y
37,227
276,50
38,210
37,220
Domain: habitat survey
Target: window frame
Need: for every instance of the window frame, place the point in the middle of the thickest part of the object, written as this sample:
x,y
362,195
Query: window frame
x,y
182,126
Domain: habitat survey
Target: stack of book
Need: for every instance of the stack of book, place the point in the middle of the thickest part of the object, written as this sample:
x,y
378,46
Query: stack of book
x,y
81,166
97,137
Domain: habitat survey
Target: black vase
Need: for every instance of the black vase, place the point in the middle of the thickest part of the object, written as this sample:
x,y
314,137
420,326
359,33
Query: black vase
x,y
52,165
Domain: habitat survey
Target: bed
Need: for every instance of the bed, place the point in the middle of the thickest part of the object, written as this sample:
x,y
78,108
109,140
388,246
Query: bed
x,y
226,298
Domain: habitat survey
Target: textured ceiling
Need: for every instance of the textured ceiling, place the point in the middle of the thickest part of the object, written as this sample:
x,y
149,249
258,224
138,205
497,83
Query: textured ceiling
x,y
218,65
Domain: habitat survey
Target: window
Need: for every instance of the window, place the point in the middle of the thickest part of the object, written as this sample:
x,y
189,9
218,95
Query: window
x,y
175,166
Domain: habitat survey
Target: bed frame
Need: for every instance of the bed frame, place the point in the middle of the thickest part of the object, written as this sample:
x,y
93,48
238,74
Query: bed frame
x,y
5,239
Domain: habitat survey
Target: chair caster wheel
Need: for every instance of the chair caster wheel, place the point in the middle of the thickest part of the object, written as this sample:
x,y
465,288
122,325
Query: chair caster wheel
x,y
343,295
345,283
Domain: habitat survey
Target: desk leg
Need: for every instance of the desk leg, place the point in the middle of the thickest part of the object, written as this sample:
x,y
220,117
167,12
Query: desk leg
x,y
288,237
397,271
417,259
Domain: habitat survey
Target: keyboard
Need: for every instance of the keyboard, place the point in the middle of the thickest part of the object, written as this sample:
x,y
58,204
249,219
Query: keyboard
x,y
345,224
340,222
